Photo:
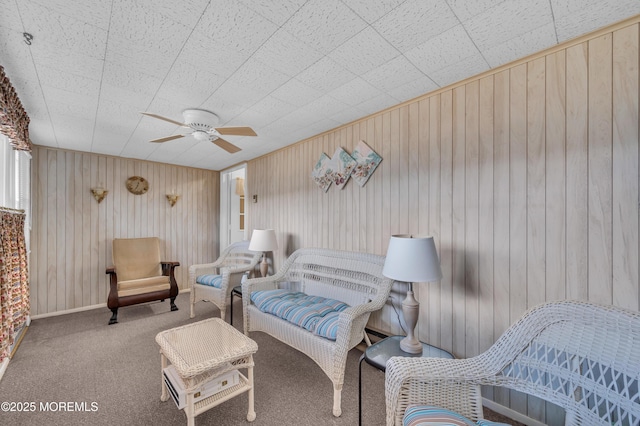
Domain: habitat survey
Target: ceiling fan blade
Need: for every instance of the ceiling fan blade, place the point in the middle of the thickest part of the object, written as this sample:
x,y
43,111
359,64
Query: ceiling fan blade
x,y
164,118
227,146
168,138
237,131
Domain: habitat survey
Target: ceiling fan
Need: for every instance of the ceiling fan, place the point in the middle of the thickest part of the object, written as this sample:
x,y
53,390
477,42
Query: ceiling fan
x,y
203,125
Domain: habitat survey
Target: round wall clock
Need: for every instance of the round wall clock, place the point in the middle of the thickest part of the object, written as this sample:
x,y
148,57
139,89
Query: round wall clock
x,y
137,185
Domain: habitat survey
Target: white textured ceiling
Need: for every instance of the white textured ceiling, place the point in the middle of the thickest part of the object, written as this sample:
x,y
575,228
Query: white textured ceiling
x,y
290,69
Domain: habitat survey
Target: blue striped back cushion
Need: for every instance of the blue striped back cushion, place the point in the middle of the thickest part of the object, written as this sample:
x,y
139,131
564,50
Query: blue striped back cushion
x,y
316,314
210,280
260,297
424,415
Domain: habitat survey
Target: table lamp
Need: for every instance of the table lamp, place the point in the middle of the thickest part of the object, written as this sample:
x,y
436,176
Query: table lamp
x,y
412,259
263,240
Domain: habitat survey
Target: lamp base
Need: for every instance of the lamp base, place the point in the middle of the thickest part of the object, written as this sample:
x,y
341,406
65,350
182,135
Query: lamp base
x,y
411,346
264,266
410,311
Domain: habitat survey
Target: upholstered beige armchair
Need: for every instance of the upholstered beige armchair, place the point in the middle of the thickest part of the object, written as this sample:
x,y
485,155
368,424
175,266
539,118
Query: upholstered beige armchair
x,y
214,281
138,275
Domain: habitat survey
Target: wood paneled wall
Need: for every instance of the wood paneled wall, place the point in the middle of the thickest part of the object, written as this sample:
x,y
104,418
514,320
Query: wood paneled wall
x,y
527,177
72,233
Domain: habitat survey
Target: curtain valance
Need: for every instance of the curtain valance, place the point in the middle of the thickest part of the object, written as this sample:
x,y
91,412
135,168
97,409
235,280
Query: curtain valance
x,y
14,121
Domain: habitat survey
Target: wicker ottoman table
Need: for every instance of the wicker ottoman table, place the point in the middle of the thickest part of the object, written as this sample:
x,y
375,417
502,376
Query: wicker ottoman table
x,y
201,352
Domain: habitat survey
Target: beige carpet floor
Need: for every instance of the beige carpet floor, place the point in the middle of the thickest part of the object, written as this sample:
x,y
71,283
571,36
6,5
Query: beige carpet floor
x,y
110,375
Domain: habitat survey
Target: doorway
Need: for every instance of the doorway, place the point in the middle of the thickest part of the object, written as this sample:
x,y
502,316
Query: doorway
x,y
232,206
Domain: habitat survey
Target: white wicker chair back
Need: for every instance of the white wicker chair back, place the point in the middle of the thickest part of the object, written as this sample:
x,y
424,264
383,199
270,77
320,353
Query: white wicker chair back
x,y
582,357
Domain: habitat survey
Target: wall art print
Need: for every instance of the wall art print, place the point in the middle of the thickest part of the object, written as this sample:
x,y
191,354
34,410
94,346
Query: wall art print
x,y
342,166
321,173
366,162
361,165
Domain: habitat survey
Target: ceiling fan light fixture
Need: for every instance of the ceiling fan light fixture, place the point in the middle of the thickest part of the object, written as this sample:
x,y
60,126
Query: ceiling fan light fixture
x,y
200,119
203,125
201,136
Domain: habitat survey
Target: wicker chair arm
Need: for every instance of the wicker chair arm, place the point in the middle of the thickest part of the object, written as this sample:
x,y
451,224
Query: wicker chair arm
x,y
204,268
351,324
256,284
453,384
200,269
353,312
235,268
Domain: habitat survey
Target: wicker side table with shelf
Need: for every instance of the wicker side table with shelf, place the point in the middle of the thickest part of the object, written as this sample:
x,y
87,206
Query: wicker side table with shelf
x,y
201,352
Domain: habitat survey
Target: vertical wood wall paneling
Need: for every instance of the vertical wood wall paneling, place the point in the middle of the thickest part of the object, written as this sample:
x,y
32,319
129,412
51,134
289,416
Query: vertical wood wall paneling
x,y
486,215
72,233
51,265
377,242
361,213
536,182
527,177
471,217
555,181
446,224
518,205
403,143
577,173
60,206
501,224
430,133
417,188
625,168
70,263
600,173
458,231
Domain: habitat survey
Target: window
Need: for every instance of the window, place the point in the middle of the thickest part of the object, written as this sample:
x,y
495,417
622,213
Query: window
x,y
15,181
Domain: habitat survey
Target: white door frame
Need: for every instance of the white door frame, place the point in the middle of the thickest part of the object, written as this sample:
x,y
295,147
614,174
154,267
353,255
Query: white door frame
x,y
227,191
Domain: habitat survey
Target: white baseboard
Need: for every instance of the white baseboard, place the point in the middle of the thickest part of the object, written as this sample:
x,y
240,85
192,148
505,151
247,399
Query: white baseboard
x,y
506,411
81,309
69,311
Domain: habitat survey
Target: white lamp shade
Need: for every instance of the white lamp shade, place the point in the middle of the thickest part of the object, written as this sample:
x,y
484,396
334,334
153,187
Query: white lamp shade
x,y
412,259
263,240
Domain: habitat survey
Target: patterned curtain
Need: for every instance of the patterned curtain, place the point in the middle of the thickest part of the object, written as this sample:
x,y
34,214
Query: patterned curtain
x,y
14,284
14,121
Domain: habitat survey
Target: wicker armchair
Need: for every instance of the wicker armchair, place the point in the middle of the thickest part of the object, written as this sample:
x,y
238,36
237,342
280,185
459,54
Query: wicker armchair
x,y
235,261
582,357
353,278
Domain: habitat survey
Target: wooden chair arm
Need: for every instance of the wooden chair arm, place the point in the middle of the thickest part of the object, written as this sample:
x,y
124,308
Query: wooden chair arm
x,y
167,269
112,299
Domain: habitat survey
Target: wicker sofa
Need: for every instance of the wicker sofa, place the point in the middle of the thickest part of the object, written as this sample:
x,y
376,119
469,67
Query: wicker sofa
x,y
352,278
582,357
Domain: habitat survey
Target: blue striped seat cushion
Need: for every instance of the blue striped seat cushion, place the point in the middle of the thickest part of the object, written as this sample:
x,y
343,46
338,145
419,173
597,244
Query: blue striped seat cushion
x,y
316,314
210,280
424,415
